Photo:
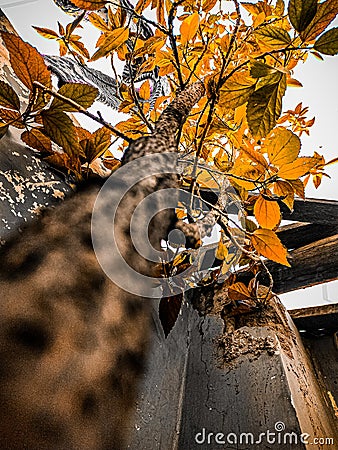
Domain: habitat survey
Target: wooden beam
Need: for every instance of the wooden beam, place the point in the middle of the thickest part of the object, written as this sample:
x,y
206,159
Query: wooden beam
x,y
299,234
310,210
312,264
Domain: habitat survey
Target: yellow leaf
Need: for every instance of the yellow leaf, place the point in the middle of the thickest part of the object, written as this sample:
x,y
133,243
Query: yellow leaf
x,y
268,244
189,28
236,90
282,146
46,33
222,250
144,91
98,22
267,213
285,191
298,168
110,41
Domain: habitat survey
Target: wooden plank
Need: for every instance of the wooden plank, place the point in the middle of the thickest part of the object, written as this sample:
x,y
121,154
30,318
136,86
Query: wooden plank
x,y
310,210
313,211
312,264
299,234
317,320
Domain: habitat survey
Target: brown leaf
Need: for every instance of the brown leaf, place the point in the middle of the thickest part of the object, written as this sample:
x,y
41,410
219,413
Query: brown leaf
x,y
28,65
35,139
59,127
169,309
238,291
8,97
11,117
97,144
326,12
82,94
64,161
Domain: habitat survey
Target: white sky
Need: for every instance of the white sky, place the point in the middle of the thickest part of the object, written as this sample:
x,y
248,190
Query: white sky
x,y
319,92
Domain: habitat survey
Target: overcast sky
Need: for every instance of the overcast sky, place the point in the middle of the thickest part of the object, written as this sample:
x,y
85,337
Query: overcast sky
x,y
319,92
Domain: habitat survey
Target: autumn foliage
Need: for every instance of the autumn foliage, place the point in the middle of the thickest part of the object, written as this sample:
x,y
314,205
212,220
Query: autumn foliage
x,y
245,56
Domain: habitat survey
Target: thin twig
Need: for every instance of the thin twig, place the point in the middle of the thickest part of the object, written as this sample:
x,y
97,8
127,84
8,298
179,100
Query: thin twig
x,y
172,40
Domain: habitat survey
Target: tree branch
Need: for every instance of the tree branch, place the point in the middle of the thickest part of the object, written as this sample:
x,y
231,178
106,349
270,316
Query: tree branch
x,y
82,110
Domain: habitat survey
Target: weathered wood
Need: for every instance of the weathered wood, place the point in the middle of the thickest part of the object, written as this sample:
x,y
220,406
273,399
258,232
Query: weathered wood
x,y
299,234
312,264
316,321
310,210
260,377
324,356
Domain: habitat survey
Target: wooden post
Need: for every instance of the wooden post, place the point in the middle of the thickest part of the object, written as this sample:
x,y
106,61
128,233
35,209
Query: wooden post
x,y
241,380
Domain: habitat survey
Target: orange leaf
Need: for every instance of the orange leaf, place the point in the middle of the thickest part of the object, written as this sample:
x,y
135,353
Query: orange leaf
x,y
189,28
207,5
268,244
293,82
285,191
267,213
144,91
141,5
11,117
298,168
98,22
28,65
91,5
